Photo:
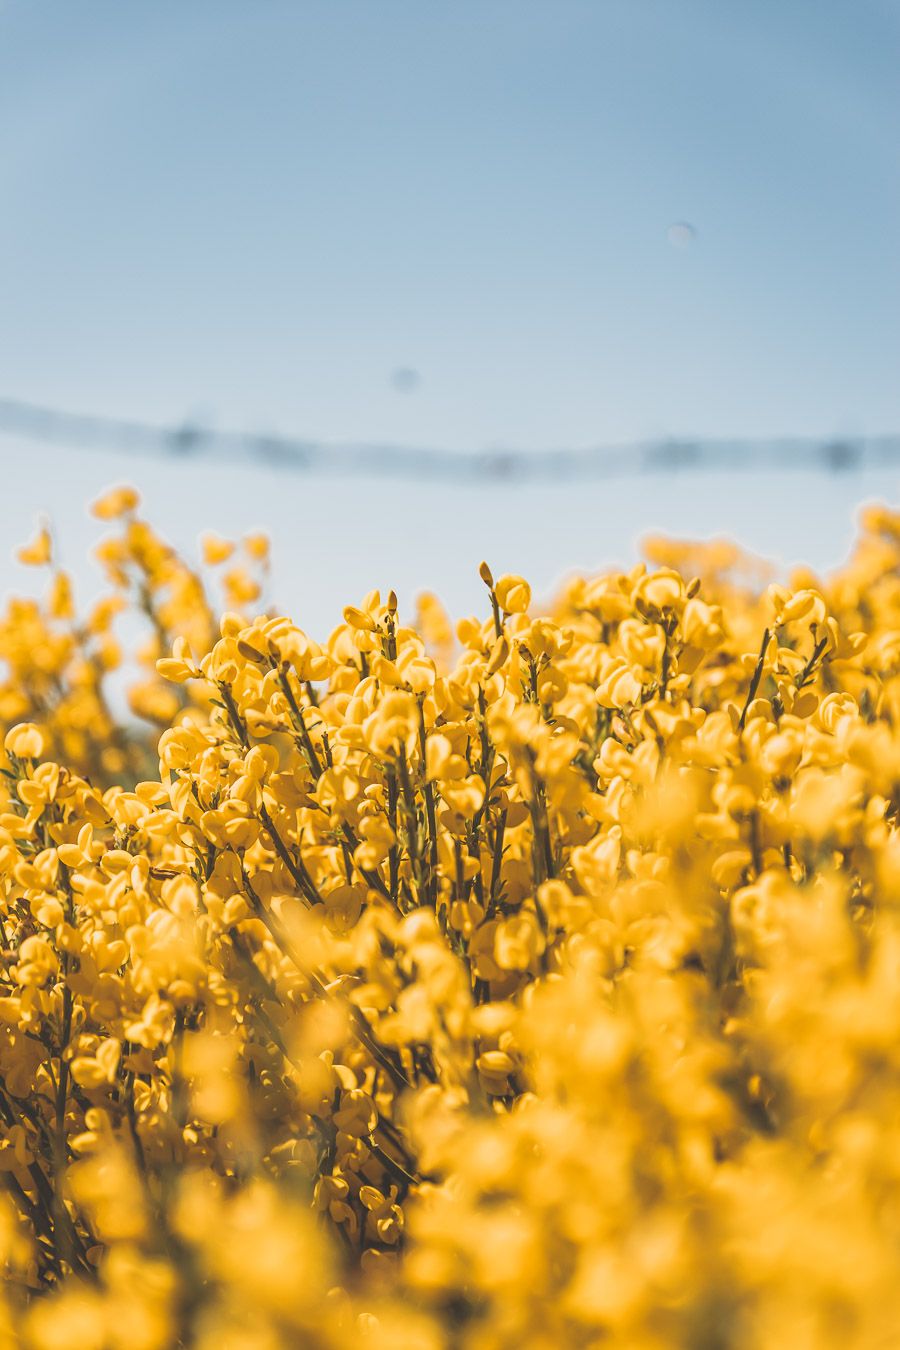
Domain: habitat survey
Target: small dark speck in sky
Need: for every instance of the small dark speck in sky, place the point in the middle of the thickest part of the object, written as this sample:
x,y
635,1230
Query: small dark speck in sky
x,y
405,380
681,234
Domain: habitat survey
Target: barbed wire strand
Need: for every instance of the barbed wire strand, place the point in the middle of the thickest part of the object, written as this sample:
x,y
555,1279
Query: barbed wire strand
x,y
192,441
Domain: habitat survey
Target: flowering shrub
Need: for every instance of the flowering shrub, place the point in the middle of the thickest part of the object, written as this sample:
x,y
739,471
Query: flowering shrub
x,y
542,990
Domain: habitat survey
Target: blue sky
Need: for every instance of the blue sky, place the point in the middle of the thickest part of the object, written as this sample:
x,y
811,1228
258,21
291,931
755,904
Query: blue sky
x,y
254,213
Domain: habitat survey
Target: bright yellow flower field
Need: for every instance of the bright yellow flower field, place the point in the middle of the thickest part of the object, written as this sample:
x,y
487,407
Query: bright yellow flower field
x,y
533,984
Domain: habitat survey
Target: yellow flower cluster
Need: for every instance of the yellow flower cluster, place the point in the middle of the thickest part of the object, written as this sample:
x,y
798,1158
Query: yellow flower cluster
x,y
537,987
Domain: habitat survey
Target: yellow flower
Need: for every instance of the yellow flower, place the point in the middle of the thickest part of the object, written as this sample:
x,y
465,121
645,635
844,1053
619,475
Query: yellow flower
x,y
257,546
513,594
178,667
117,502
25,740
541,991
38,551
215,549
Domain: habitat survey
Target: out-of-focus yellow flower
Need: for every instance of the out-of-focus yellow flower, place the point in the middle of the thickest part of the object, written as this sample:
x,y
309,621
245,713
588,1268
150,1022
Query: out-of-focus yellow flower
x,y
117,502
37,553
216,549
257,546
